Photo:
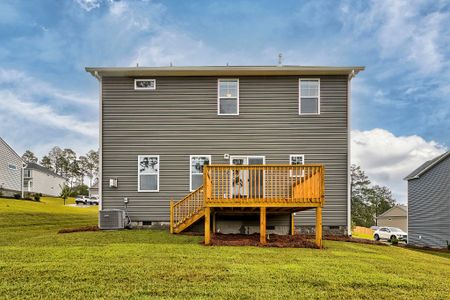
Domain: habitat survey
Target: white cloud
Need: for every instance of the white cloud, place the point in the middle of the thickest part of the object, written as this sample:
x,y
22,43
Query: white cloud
x,y
387,158
402,31
28,86
45,115
88,5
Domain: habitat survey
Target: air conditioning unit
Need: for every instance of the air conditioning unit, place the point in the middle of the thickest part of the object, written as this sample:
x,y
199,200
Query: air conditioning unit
x,y
112,219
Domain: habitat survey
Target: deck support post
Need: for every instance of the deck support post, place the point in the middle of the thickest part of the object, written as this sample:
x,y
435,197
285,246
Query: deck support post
x,y
207,225
262,226
292,224
171,216
214,222
319,227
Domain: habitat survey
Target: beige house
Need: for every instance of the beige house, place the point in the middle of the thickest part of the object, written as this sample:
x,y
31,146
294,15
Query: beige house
x,y
395,217
39,179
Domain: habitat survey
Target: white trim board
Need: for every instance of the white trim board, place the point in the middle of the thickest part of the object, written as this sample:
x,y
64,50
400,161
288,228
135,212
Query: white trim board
x,y
190,168
139,175
218,97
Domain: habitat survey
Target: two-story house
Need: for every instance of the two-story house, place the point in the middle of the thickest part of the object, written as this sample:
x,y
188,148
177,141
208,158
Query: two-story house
x,y
39,179
250,147
429,203
11,171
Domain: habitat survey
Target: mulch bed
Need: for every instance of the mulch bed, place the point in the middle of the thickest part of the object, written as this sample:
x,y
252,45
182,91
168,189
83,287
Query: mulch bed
x,y
274,240
79,229
280,241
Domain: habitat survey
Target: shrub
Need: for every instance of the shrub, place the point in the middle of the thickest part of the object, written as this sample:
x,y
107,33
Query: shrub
x,y
17,196
37,196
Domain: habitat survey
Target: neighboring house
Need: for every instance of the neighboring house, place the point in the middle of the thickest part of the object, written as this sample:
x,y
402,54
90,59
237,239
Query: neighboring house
x,y
429,203
396,216
161,126
39,179
93,190
11,170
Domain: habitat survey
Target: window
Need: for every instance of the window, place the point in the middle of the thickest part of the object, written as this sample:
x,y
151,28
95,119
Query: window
x,y
145,84
148,173
297,159
228,97
27,173
309,97
12,167
196,170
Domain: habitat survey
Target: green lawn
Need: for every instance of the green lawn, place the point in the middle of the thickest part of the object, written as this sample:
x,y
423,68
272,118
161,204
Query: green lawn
x,y
362,236
36,262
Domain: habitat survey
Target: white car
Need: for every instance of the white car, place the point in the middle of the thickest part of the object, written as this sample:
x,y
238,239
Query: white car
x,y
390,234
93,200
81,200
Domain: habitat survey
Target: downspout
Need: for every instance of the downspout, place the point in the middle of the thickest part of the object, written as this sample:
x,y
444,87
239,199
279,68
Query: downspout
x,y
100,142
22,179
349,152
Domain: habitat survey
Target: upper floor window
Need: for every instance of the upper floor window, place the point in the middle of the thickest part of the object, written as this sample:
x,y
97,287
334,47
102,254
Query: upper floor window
x,y
148,173
309,97
27,173
228,97
12,167
145,84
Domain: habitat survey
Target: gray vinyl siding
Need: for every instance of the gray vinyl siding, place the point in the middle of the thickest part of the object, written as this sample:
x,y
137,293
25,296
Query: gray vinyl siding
x,y
429,207
180,118
10,179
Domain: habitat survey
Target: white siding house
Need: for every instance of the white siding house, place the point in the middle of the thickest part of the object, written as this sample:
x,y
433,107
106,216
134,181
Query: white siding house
x,y
39,179
11,170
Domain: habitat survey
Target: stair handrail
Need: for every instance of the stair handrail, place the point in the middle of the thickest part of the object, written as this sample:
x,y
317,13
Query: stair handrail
x,y
186,207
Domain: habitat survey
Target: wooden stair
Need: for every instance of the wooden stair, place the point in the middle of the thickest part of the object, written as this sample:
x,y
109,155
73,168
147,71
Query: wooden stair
x,y
187,211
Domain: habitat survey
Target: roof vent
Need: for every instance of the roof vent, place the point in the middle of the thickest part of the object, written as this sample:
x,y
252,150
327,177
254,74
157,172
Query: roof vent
x,y
280,59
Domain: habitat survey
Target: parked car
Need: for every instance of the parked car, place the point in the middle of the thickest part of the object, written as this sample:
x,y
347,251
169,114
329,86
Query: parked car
x,y
81,200
93,200
390,234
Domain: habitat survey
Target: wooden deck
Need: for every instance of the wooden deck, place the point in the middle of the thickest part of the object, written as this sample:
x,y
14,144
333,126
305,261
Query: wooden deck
x,y
250,188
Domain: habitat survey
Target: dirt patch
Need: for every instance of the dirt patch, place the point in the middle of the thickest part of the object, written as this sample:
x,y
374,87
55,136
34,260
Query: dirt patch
x,y
281,241
274,240
79,229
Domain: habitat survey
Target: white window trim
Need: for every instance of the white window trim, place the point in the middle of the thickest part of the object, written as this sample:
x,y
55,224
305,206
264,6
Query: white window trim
x,y
290,163
247,157
136,88
190,168
218,97
300,97
139,174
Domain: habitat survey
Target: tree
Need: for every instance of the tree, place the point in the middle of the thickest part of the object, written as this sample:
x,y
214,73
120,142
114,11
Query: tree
x,y
380,200
65,192
360,187
56,160
46,162
29,157
89,165
368,202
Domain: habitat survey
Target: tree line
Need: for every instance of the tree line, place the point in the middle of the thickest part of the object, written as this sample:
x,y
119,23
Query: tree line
x,y
368,201
68,164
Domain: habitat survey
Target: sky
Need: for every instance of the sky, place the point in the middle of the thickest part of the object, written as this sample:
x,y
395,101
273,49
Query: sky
x,y
400,114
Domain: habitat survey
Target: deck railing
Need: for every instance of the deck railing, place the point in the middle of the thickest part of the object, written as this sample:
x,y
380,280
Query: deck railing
x,y
187,207
263,184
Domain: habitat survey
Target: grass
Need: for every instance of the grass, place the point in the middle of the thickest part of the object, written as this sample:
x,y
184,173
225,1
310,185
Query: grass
x,y
362,236
36,262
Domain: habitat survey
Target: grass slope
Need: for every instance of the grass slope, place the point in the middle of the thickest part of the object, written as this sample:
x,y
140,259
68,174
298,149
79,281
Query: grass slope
x,y
36,262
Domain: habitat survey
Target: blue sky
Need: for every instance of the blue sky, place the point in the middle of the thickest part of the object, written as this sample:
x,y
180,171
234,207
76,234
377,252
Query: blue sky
x,y
400,104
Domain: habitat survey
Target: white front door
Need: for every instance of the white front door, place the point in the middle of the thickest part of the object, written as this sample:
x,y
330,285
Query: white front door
x,y
240,180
